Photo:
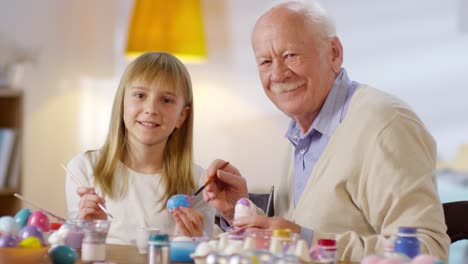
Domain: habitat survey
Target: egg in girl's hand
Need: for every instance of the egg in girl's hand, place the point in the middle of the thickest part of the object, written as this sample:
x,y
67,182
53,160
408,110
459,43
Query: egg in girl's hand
x,y
22,217
31,231
8,241
244,207
179,200
39,219
8,225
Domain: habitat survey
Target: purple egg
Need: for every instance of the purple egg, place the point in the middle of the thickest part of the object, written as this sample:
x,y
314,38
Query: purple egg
x,y
8,241
244,202
29,231
178,200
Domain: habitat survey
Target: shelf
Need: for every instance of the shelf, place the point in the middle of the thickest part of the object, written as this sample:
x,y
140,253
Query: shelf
x,y
8,92
8,191
11,116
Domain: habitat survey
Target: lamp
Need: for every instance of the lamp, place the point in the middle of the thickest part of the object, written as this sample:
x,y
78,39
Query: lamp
x,y
173,26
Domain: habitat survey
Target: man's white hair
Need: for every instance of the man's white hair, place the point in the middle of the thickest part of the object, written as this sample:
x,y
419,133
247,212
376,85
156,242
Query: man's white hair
x,y
314,12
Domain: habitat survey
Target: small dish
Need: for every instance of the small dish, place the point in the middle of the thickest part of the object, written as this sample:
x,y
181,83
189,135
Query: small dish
x,y
181,250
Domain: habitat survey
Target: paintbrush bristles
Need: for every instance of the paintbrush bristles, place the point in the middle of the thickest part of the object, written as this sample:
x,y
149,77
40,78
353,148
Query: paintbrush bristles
x,y
209,180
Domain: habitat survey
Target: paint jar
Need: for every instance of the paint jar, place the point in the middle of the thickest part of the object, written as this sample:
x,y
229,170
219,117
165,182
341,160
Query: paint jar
x,y
158,249
94,242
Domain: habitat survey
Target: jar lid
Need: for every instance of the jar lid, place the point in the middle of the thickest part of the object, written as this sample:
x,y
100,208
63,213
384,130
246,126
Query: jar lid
x,y
407,230
282,232
54,226
327,242
159,238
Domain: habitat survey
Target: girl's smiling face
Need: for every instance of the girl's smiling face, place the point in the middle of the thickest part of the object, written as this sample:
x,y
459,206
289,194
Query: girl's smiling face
x,y
151,112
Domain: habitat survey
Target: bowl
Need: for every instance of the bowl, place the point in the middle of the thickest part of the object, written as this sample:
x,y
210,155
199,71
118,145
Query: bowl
x,y
23,255
181,250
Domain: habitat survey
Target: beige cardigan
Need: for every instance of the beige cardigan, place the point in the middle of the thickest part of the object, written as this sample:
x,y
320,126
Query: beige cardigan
x,y
376,174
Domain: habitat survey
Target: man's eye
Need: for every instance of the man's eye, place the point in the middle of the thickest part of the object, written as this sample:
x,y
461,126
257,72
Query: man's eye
x,y
290,55
265,62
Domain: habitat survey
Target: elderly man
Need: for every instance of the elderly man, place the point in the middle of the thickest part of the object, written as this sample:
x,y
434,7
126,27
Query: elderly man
x,y
363,161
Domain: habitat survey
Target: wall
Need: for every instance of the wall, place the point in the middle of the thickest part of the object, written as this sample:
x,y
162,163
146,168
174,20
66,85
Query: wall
x,y
412,49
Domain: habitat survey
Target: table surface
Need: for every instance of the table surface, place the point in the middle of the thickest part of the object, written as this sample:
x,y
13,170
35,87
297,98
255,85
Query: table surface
x,y
121,254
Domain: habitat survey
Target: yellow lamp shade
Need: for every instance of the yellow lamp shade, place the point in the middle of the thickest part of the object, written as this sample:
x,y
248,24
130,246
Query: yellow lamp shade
x,y
173,26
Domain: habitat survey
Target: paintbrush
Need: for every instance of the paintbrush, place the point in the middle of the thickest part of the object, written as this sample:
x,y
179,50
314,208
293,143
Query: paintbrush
x,y
209,180
61,219
80,185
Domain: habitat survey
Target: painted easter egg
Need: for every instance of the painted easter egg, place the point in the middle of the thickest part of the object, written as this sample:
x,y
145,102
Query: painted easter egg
x,y
22,217
63,255
8,225
39,219
179,200
8,241
31,231
30,242
244,207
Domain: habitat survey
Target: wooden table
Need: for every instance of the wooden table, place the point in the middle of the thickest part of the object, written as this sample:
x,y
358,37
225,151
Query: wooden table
x,y
121,254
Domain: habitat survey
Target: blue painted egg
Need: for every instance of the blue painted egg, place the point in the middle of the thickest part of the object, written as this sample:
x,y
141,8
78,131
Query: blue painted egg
x,y
178,200
22,217
8,225
63,255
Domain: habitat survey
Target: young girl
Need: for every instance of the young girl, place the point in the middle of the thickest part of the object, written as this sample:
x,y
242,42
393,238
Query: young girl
x,y
147,156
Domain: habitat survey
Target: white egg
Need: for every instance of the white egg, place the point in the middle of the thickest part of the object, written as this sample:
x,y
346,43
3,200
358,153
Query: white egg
x,y
244,207
8,226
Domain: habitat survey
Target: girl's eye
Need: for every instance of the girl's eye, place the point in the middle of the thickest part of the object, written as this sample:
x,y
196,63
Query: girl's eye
x,y
168,100
139,95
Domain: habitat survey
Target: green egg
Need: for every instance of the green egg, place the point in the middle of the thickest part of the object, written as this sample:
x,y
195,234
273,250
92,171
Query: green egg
x,y
22,217
63,255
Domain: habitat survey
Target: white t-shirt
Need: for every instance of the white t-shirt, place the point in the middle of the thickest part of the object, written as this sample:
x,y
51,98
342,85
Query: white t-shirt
x,y
140,207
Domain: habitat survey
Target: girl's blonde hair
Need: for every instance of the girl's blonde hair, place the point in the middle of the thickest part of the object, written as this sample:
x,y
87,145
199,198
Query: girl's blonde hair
x,y
177,173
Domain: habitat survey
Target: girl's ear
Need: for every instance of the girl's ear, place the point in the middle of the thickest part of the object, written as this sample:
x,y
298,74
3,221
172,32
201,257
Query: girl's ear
x,y
183,116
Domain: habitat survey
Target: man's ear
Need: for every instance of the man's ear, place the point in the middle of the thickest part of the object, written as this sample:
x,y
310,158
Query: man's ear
x,y
183,115
336,54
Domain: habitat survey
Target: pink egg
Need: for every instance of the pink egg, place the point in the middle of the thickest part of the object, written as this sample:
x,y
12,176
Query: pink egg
x,y
423,259
39,219
374,259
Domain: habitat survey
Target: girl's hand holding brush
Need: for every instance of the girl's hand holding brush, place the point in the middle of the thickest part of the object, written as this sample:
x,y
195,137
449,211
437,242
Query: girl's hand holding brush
x,y
89,204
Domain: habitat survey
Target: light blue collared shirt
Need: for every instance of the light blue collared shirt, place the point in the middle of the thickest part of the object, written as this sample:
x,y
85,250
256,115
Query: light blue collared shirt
x,y
309,147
